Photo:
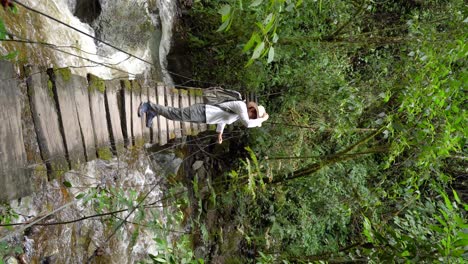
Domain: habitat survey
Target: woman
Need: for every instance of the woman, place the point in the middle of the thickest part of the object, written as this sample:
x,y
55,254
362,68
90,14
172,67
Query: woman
x,y
221,114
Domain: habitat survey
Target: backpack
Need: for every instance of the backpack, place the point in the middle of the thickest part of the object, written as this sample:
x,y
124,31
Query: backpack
x,y
217,95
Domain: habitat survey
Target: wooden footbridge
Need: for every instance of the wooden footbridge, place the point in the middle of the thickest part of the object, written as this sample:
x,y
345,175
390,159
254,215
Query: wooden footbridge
x,y
55,120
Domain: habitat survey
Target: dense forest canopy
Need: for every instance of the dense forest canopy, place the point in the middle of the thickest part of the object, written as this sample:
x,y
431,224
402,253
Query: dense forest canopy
x,y
365,154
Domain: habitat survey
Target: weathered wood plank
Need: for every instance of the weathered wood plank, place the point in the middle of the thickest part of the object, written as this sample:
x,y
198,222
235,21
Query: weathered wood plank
x,y
199,100
126,100
184,102
144,98
175,103
154,129
137,123
49,136
64,84
192,99
97,89
169,102
84,116
162,121
112,96
14,175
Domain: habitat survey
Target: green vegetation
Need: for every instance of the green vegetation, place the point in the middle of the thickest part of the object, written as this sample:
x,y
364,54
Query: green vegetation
x,y
364,155
104,153
50,89
65,73
96,84
127,84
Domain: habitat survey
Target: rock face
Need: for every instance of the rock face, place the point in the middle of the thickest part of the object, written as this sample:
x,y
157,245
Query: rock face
x,y
14,175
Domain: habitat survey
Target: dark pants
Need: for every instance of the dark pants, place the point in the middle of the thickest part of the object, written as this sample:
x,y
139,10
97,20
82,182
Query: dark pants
x,y
194,113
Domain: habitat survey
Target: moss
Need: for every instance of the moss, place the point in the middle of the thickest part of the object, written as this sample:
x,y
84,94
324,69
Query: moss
x,y
136,87
175,91
139,143
40,170
198,92
65,73
127,85
183,92
172,135
96,83
50,88
57,170
104,153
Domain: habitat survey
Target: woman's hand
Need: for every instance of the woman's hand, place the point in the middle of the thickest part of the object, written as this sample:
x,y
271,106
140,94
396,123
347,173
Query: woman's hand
x,y
220,138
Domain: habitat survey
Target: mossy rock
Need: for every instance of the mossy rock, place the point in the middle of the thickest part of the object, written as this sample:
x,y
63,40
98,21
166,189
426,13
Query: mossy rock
x,y
64,73
96,83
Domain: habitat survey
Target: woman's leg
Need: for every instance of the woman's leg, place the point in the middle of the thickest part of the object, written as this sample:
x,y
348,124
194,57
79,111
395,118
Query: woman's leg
x,y
194,113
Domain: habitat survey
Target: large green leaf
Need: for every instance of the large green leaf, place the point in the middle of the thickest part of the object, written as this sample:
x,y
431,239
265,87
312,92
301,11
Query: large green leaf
x,y
258,50
253,39
271,54
225,10
255,3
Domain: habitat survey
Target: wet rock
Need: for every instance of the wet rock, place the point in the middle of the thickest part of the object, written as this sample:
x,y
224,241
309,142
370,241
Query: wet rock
x,y
197,165
166,163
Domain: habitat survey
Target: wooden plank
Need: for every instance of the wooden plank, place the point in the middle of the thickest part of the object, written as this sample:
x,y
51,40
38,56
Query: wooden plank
x,y
97,89
184,102
199,100
65,82
154,129
84,117
144,98
175,103
14,175
169,102
126,101
192,99
49,136
137,122
162,121
112,99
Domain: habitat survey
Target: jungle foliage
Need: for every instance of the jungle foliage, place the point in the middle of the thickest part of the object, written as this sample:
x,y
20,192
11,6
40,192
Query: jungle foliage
x,y
364,158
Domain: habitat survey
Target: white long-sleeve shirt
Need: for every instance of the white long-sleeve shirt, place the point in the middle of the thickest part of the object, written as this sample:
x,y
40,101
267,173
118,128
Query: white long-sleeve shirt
x,y
215,115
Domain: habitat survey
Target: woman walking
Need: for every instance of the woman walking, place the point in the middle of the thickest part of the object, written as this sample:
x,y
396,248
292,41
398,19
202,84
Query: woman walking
x,y
250,114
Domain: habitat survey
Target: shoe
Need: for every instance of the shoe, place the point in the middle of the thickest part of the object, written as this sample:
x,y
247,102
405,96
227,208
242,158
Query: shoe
x,y
143,108
149,118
